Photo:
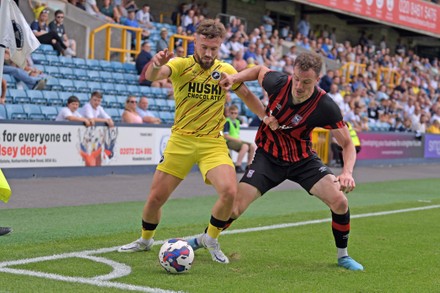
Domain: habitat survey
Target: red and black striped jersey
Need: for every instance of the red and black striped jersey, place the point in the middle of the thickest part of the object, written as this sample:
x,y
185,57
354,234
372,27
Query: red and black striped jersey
x,y
292,142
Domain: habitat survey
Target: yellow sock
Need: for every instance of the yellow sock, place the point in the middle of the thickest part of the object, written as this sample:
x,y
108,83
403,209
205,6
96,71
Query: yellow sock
x,y
213,231
148,234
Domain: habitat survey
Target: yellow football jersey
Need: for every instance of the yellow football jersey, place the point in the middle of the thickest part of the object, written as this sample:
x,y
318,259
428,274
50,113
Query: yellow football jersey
x,y
200,101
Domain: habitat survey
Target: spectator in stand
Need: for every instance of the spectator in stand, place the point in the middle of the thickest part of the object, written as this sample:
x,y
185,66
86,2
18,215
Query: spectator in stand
x,y
71,113
238,62
147,116
57,26
131,21
92,8
162,43
144,17
336,96
41,31
268,23
130,115
163,83
187,19
250,52
37,8
78,3
94,111
31,82
327,80
434,128
304,25
231,131
180,52
144,57
3,96
108,9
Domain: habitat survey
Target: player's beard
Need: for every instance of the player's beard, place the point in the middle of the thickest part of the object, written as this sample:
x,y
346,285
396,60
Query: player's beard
x,y
204,63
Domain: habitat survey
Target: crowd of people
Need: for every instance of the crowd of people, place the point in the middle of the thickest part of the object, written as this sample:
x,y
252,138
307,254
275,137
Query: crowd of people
x,y
370,100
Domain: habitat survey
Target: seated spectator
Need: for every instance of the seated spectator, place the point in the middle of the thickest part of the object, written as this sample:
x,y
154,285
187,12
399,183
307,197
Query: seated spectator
x,y
144,17
41,31
144,57
147,116
57,26
162,43
130,115
3,96
109,10
78,3
238,62
92,8
71,113
19,74
180,52
434,128
131,21
162,83
37,8
94,111
231,132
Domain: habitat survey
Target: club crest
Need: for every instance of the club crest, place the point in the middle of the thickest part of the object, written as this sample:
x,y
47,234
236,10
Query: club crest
x,y
18,32
215,75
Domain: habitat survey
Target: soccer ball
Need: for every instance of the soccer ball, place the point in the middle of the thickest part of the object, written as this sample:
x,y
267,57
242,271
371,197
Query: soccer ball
x,y
176,256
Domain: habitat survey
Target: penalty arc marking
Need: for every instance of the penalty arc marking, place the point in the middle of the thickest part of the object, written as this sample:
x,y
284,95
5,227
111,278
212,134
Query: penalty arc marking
x,y
121,270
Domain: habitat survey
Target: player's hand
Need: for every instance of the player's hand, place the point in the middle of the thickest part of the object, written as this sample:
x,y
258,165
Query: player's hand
x,y
226,81
346,182
271,121
162,57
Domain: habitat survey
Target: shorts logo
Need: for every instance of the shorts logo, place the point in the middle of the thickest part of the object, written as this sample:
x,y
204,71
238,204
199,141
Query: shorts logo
x,y
250,173
161,159
322,169
216,75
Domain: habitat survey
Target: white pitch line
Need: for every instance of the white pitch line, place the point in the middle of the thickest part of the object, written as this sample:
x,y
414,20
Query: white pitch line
x,y
120,270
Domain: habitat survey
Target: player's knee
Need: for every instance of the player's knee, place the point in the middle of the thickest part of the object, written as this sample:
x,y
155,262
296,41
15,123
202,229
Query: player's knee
x,y
228,194
340,204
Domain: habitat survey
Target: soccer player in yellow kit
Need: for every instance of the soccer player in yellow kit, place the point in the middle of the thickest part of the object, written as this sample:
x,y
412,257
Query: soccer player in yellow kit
x,y
196,136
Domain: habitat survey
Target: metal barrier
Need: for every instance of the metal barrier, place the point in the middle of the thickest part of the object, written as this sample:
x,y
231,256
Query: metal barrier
x,y
321,143
351,69
389,77
185,39
108,48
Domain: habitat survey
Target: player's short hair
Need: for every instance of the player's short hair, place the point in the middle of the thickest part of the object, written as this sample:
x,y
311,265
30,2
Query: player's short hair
x,y
308,60
211,29
96,94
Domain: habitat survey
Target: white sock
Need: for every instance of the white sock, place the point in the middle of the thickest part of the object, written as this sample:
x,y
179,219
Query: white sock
x,y
342,252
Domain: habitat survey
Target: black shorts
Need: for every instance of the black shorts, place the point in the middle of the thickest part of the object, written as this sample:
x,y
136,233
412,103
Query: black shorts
x,y
266,172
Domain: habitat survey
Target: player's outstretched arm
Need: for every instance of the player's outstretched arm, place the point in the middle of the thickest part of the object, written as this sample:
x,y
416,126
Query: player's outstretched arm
x,y
156,69
343,138
253,73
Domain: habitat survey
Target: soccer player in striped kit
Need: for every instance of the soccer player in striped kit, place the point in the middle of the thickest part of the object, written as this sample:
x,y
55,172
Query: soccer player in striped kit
x,y
296,106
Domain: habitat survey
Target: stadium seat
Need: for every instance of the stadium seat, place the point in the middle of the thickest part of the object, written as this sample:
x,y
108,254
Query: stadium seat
x,y
134,90
105,65
95,86
81,86
108,100
10,81
19,96
159,93
83,97
171,104
53,71
14,111
129,68
67,85
40,58
50,112
66,61
121,100
64,96
108,88
114,113
47,49
166,117
52,98
118,76
79,63
106,76
33,112
162,105
53,84
67,72
131,78
81,74
94,75
152,105
93,64
36,97
2,111
121,89
145,91
53,60
117,66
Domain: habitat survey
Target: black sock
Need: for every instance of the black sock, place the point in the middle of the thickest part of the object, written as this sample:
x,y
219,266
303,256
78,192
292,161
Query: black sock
x,y
341,228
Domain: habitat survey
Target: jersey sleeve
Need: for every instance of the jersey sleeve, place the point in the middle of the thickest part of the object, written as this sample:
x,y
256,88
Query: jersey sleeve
x,y
330,114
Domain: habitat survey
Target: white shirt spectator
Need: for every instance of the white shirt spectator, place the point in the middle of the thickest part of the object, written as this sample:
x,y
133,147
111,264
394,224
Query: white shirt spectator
x,y
144,113
66,112
88,112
